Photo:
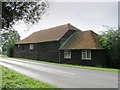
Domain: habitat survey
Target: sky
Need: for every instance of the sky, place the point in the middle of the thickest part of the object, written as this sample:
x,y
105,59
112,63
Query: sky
x,y
83,15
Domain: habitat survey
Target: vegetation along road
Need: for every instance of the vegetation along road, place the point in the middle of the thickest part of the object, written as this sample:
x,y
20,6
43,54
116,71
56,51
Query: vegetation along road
x,y
61,76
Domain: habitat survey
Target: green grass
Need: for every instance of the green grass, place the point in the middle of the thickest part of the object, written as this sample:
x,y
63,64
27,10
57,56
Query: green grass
x,y
3,56
12,79
92,68
74,66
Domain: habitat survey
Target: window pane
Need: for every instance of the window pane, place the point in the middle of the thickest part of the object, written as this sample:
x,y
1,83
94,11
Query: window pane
x,y
88,54
84,55
31,46
67,54
18,45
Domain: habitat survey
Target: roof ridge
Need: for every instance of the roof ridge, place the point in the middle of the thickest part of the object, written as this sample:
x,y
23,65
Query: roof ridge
x,y
67,40
73,35
67,25
53,27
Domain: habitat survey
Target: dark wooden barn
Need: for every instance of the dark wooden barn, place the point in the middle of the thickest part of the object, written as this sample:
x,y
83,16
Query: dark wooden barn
x,y
62,44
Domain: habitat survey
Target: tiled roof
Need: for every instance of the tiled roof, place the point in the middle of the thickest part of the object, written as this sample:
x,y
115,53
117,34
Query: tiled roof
x,y
52,34
82,40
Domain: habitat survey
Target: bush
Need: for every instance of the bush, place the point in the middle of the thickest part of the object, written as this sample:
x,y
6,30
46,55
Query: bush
x,y
110,40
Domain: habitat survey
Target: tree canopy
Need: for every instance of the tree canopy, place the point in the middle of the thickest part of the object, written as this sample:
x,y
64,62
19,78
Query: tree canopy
x,y
110,40
8,39
29,12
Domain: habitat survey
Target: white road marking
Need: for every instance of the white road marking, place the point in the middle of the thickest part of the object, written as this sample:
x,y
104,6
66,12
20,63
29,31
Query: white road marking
x,y
64,72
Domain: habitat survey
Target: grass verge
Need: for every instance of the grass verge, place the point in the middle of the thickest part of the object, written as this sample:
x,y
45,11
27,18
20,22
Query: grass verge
x,y
92,68
12,79
73,66
3,56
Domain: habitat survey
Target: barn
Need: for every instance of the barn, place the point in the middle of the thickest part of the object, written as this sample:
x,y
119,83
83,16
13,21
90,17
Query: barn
x,y
62,44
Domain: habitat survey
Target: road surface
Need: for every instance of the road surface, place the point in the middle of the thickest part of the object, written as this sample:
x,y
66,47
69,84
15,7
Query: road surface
x,y
63,77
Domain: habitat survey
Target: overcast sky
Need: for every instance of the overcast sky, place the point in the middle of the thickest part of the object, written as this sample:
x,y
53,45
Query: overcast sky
x,y
83,15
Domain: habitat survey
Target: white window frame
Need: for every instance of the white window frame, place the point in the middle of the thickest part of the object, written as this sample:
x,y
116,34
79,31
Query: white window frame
x,y
85,52
67,54
31,47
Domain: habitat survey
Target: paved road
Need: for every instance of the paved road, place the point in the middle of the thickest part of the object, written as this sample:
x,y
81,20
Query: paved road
x,y
63,77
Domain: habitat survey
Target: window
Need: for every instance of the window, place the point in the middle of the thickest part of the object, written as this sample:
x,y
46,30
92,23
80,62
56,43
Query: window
x,y
31,46
18,45
86,54
67,54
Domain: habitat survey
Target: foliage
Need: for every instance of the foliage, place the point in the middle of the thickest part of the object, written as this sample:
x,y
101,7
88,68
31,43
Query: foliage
x,y
110,40
8,40
29,12
11,79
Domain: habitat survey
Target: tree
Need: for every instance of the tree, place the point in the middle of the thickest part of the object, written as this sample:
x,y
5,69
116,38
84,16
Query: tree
x,y
110,40
8,40
29,12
